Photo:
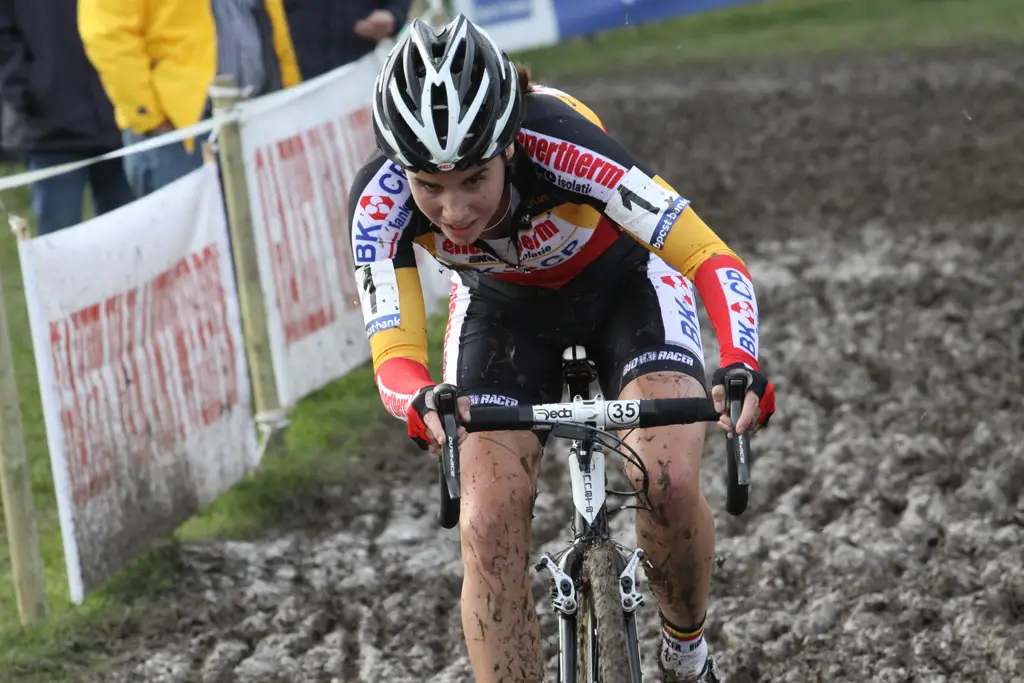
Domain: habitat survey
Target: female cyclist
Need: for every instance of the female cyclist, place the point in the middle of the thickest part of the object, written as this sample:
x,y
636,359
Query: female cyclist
x,y
557,236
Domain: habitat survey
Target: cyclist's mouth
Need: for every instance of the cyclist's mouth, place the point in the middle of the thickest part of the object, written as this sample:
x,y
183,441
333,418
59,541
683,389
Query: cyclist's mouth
x,y
460,229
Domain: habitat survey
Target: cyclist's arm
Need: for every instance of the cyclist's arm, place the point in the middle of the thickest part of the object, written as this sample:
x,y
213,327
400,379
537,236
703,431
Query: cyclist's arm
x,y
389,285
571,143
679,236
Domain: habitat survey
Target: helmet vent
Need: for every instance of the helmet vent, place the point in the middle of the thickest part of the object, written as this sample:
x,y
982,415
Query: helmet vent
x,y
458,62
439,111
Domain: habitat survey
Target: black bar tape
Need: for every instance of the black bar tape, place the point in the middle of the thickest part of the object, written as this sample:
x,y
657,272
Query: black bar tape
x,y
663,412
499,418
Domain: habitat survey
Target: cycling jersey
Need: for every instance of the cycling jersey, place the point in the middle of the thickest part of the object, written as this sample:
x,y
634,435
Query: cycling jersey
x,y
586,213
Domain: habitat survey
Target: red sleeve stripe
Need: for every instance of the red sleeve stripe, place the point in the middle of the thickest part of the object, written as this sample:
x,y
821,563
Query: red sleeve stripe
x,y
398,380
727,291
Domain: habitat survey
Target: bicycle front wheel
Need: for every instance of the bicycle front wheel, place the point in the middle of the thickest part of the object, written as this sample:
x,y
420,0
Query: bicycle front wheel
x,y
601,642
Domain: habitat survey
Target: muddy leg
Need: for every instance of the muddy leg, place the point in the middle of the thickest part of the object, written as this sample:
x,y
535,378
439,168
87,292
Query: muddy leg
x,y
499,477
678,533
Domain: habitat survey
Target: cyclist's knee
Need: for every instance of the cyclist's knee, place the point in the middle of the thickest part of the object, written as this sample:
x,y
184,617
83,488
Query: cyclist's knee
x,y
499,471
671,491
671,455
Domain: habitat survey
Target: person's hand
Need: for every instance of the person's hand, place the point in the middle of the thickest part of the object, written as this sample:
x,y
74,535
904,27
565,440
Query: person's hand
x,y
425,427
376,26
165,127
436,430
758,404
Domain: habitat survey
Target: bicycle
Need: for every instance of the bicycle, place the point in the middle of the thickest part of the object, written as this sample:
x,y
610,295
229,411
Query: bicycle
x,y
594,581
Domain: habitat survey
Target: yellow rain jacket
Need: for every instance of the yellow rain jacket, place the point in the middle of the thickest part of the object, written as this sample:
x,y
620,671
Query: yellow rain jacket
x,y
156,58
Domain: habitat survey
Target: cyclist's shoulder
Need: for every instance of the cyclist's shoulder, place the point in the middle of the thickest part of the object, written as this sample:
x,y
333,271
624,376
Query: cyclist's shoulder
x,y
548,107
381,209
570,147
379,175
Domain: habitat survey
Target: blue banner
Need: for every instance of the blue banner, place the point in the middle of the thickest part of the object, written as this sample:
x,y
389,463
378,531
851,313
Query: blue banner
x,y
584,17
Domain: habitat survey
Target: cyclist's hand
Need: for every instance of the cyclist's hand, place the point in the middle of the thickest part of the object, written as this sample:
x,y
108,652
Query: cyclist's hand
x,y
425,427
758,404
436,430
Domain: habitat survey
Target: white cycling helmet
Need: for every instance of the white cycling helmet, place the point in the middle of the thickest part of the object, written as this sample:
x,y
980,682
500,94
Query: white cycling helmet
x,y
446,99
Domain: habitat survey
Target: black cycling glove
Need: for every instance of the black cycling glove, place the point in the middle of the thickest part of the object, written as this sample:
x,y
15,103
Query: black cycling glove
x,y
757,383
420,404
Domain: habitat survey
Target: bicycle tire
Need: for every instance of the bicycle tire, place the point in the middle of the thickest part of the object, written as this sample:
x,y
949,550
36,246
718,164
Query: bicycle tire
x,y
600,597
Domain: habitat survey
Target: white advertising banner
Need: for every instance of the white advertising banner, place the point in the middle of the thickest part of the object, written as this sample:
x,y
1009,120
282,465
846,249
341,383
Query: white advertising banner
x,y
514,24
301,156
142,371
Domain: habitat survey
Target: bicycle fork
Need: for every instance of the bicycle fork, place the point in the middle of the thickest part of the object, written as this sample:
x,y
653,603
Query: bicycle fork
x,y
565,601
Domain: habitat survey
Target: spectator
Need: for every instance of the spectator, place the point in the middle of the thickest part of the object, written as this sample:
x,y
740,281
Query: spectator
x,y
55,111
157,58
329,33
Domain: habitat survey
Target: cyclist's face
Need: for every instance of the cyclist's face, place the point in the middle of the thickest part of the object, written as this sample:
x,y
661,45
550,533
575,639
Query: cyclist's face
x,y
461,203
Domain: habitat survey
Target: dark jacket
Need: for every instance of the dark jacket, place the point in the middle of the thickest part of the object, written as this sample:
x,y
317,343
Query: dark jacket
x,y
322,30
51,97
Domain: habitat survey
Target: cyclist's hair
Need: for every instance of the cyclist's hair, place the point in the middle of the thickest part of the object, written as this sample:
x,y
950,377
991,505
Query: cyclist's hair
x,y
525,77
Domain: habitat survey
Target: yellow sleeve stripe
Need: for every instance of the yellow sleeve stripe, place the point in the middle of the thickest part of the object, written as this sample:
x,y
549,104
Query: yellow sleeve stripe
x,y
690,242
409,339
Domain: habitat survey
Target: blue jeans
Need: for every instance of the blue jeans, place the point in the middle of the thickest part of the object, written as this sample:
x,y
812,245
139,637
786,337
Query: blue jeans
x,y
58,201
149,171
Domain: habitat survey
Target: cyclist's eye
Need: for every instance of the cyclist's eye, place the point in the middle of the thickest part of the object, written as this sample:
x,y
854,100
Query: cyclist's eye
x,y
474,181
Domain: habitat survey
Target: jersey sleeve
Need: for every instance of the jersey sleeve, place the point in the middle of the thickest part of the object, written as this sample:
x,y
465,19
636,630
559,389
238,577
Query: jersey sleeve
x,y
391,297
573,150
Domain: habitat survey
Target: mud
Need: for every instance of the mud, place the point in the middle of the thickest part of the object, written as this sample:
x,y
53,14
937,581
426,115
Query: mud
x,y
879,204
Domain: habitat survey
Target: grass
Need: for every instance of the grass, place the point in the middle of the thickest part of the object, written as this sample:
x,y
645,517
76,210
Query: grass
x,y
778,28
332,427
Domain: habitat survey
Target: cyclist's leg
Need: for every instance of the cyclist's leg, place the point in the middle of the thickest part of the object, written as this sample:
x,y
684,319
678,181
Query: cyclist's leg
x,y
652,349
497,362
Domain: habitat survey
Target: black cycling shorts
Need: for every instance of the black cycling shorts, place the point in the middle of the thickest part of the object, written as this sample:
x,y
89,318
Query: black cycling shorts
x,y
510,352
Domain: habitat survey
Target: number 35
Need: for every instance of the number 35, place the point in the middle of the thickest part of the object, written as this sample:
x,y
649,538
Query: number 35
x,y
622,411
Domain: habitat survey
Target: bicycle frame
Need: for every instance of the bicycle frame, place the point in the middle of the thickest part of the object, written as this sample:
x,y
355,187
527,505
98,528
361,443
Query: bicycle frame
x,y
586,463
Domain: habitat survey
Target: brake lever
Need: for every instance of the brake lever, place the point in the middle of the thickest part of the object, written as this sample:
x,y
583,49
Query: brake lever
x,y
446,405
735,394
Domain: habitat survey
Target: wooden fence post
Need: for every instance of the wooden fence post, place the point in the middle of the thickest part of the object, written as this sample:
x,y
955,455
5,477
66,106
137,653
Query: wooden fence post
x,y
16,479
252,304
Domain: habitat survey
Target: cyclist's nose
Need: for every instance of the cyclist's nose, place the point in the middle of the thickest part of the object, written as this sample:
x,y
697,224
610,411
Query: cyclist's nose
x,y
456,212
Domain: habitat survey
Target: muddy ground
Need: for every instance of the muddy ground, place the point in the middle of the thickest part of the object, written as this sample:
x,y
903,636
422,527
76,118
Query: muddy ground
x,y
879,204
